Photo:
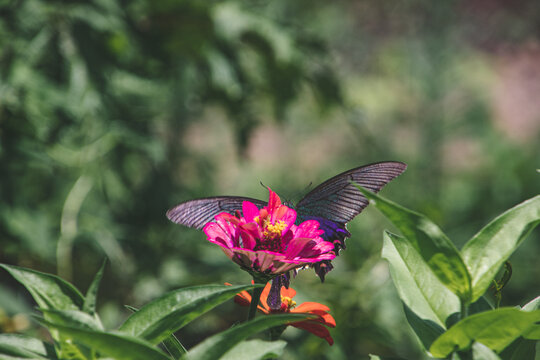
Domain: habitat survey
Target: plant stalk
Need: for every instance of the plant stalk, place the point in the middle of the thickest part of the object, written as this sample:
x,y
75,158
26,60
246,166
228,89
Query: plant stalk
x,y
255,297
464,310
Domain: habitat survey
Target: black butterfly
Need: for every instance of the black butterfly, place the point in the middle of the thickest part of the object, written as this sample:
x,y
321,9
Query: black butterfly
x,y
333,204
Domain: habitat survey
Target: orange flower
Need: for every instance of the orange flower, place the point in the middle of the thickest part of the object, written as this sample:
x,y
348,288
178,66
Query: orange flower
x,y
288,305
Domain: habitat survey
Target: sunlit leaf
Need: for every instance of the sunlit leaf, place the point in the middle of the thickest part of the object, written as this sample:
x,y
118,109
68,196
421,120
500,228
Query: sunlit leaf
x,y
427,302
49,291
73,318
492,246
495,329
115,345
480,351
534,304
430,242
25,347
217,345
171,343
170,312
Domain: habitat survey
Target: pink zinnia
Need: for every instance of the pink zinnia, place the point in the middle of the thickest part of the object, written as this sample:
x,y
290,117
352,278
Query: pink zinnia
x,y
267,240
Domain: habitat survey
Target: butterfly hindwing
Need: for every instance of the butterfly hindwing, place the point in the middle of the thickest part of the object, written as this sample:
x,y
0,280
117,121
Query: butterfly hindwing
x,y
197,213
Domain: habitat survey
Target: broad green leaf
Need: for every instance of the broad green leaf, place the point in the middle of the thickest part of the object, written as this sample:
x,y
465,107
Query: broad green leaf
x,y
10,352
89,305
534,304
25,347
495,329
426,330
49,291
492,246
115,345
255,350
217,345
160,318
477,352
174,347
418,287
482,352
534,332
430,242
520,349
73,318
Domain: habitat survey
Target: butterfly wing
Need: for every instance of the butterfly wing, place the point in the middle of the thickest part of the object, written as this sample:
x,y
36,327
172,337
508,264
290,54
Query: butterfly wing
x,y
199,212
337,201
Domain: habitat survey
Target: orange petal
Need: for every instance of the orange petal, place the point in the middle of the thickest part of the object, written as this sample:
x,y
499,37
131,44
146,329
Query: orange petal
x,y
315,329
310,306
290,292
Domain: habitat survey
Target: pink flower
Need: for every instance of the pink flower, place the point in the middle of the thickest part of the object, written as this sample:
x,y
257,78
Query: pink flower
x,y
267,240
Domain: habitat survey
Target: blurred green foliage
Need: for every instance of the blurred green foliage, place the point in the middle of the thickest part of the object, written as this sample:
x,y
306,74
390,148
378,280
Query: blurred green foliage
x,y
112,111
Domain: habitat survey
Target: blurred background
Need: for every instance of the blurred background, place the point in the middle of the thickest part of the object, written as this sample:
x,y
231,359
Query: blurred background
x,y
113,111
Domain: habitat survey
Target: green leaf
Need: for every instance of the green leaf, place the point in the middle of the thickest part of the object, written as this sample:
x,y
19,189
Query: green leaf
x,y
534,304
255,350
25,347
49,291
534,331
160,318
418,287
89,305
495,329
174,347
217,345
377,357
481,351
430,242
520,349
426,330
74,318
492,246
117,346
477,352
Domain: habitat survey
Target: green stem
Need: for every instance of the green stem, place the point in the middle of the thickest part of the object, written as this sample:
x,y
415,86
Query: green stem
x,y
464,309
255,297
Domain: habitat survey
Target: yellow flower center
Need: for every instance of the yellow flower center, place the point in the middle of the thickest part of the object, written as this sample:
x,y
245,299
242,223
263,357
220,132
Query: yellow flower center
x,y
274,230
287,301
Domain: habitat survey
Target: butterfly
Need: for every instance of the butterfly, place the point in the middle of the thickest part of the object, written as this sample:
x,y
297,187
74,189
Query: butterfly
x,y
333,204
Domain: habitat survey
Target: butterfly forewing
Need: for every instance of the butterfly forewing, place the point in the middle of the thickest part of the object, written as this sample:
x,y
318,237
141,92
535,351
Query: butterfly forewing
x,y
337,199
197,213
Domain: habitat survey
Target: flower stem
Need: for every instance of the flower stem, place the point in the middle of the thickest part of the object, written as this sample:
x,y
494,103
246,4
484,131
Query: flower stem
x,y
255,297
464,310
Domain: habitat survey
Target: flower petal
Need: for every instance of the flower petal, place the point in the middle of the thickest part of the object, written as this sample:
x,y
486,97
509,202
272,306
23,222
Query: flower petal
x,y
315,329
310,306
249,211
273,201
309,229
